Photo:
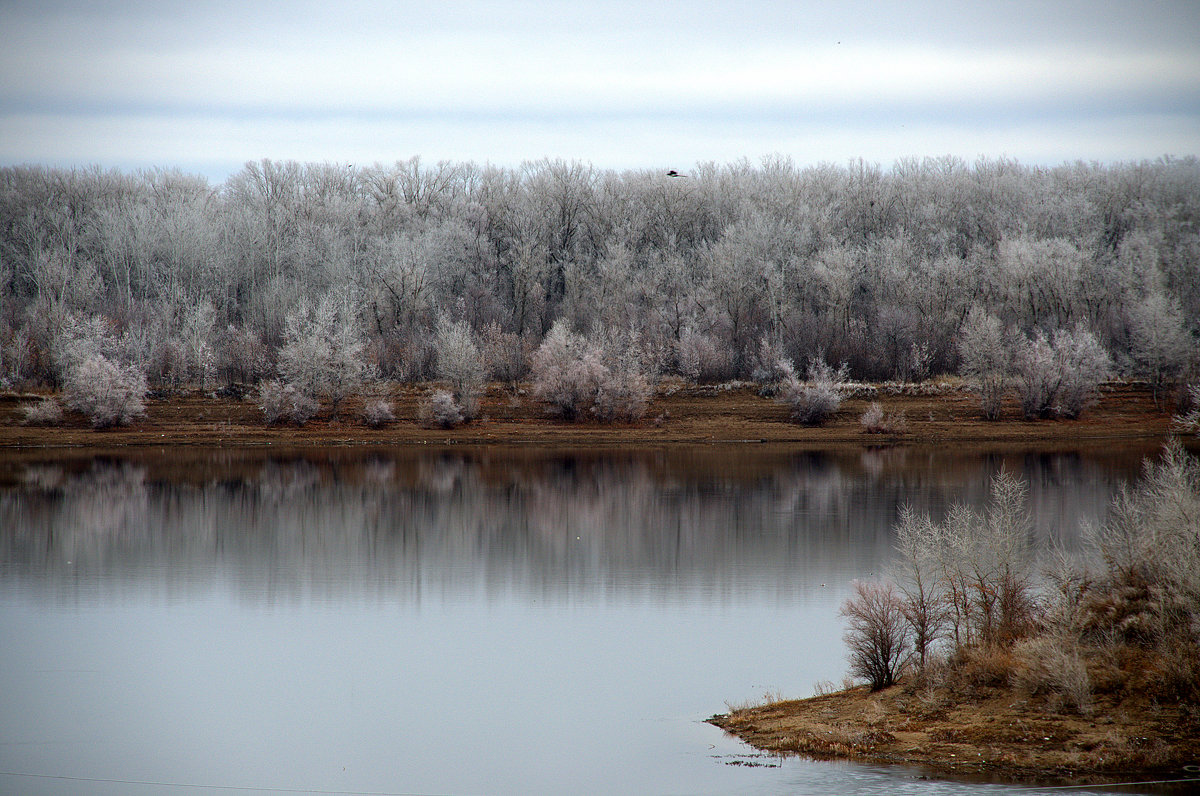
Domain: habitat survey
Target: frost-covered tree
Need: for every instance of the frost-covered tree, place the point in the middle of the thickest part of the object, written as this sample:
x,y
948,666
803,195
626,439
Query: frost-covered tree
x,y
576,377
566,373
460,363
860,261
1086,366
1160,347
108,393
324,354
1060,376
986,359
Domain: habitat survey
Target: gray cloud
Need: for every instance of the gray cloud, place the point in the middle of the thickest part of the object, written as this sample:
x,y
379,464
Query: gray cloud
x,y
150,83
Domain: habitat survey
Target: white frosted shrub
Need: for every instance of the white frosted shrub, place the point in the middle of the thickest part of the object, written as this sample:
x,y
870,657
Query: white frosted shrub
x,y
1061,376
700,358
325,351
76,339
566,373
377,414
1086,364
872,419
771,368
45,412
285,402
304,407
241,356
986,361
575,377
460,363
817,400
504,354
623,395
914,363
109,394
441,411
1038,377
272,402
1188,420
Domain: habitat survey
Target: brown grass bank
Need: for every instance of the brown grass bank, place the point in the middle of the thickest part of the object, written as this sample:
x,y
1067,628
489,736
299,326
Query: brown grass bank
x,y
679,413
997,733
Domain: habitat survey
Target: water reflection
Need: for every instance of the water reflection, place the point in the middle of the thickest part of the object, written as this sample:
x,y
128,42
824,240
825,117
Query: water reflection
x,y
454,621
709,523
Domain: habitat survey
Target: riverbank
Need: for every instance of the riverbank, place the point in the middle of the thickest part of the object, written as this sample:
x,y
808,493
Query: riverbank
x,y
996,734
679,413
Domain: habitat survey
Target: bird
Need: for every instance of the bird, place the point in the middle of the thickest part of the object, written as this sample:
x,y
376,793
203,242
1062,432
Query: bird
x,y
673,173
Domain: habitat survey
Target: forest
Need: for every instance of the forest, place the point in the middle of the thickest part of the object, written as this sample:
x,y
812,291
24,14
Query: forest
x,y
719,273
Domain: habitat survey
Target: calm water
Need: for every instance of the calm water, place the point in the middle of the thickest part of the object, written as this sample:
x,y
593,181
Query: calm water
x,y
451,622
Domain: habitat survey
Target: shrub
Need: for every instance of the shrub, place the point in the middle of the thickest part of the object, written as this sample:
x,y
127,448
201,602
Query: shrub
x,y
875,422
1060,376
460,363
623,394
700,358
75,340
325,351
1054,665
504,354
1188,419
818,400
241,356
440,411
1085,365
283,402
575,377
877,636
914,363
986,359
771,368
872,419
109,394
1150,546
566,373
378,413
45,412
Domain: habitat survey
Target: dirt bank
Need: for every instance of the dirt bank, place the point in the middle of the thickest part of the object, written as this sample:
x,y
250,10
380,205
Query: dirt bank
x,y
999,734
679,413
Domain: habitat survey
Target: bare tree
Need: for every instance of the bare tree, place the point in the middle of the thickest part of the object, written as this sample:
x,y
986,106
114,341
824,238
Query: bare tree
x,y
877,635
918,541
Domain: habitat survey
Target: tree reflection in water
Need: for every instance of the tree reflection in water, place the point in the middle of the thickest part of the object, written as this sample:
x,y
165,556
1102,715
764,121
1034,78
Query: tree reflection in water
x,y
557,524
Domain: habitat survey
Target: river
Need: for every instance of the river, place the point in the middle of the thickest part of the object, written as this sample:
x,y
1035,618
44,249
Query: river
x,y
454,621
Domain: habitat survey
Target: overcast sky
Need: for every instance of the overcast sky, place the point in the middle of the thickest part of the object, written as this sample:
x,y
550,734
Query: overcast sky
x,y
207,86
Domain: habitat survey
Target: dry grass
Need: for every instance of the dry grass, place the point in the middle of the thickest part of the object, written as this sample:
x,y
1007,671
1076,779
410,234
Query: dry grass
x,y
1003,734
697,414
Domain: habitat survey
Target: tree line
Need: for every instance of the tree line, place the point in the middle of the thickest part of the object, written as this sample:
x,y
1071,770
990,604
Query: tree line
x,y
716,274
